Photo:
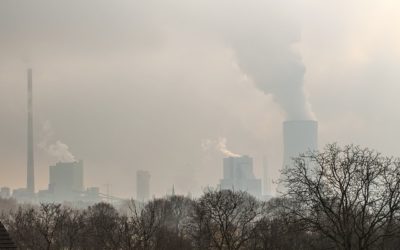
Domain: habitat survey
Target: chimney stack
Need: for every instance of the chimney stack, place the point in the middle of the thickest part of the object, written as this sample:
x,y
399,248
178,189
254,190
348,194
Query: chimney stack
x,y
30,163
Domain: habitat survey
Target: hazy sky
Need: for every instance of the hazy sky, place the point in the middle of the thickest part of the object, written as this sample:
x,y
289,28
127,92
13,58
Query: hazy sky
x,y
131,85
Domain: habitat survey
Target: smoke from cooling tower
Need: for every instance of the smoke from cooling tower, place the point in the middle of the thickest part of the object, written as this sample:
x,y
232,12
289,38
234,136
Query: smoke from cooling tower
x,y
283,78
264,49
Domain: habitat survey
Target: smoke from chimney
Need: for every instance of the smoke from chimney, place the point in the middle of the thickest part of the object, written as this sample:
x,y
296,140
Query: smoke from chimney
x,y
57,149
219,145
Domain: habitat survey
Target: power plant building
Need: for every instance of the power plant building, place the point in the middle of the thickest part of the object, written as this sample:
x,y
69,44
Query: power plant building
x,y
66,180
238,175
142,185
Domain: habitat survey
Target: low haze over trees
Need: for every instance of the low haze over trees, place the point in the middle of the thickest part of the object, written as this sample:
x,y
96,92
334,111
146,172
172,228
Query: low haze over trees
x,y
340,198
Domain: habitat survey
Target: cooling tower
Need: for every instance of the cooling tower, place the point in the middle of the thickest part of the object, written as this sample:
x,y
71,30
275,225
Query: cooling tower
x,y
298,137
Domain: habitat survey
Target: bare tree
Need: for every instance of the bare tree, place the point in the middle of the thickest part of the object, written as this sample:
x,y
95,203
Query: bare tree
x,y
229,218
73,229
146,220
49,221
22,227
7,205
351,195
103,227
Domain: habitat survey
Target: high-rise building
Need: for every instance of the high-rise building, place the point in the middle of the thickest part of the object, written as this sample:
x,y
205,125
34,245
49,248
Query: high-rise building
x,y
238,175
66,181
30,185
142,185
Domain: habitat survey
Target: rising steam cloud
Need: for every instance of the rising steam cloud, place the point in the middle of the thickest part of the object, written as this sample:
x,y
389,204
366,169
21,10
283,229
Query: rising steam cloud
x,y
57,149
283,79
219,145
264,49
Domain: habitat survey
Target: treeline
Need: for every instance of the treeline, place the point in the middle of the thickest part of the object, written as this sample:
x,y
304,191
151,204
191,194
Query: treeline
x,y
217,220
339,198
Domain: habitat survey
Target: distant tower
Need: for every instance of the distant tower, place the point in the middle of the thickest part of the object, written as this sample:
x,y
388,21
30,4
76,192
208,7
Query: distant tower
x,y
299,136
30,186
142,185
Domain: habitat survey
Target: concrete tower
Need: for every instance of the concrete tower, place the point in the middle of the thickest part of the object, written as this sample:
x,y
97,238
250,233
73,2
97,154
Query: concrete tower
x,y
299,136
30,186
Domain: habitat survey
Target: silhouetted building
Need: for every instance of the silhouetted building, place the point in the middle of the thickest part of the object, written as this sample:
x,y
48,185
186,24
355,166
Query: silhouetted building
x,y
142,185
22,195
5,192
239,176
66,181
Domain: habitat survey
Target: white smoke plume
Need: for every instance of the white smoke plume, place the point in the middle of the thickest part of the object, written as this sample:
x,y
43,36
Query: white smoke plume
x,y
56,149
219,145
264,44
276,68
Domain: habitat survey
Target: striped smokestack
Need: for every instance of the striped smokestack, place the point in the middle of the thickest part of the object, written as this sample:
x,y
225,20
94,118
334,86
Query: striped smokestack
x,y
30,185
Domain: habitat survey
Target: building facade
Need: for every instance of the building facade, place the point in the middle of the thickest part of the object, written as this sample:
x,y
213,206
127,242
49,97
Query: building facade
x,y
66,181
238,175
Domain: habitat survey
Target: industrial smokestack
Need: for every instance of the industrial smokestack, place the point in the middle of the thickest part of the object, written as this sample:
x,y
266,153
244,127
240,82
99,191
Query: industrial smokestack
x,y
30,164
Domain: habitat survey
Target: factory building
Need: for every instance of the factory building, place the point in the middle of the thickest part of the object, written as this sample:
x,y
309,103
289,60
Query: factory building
x,y
142,186
238,175
66,180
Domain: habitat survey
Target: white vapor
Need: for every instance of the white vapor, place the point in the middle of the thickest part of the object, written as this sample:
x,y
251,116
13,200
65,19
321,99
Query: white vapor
x,y
61,152
57,149
220,145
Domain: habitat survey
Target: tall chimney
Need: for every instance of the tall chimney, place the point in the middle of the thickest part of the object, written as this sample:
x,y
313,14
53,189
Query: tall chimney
x,y
30,186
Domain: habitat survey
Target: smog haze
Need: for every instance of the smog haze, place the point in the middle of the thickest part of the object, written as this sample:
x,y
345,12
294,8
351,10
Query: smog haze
x,y
174,86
